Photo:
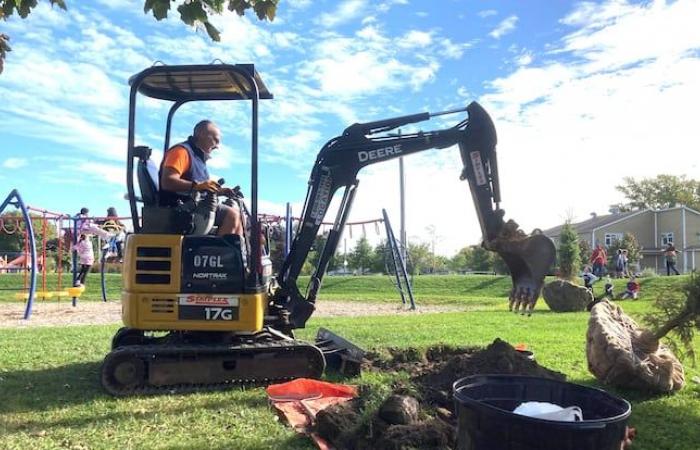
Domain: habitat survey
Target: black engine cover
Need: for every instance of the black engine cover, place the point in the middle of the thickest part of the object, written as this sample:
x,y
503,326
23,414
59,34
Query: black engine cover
x,y
212,264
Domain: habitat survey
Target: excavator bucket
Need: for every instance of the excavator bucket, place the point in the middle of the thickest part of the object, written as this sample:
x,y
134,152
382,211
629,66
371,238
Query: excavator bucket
x,y
529,259
342,356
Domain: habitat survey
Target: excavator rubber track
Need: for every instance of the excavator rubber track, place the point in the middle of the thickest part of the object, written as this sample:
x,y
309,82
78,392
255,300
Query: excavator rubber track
x,y
163,369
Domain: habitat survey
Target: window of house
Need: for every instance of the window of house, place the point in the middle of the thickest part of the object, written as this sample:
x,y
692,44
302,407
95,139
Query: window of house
x,y
610,238
666,238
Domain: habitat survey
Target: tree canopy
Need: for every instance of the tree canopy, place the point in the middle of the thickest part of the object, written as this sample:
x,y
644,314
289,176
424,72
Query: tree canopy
x,y
663,191
192,12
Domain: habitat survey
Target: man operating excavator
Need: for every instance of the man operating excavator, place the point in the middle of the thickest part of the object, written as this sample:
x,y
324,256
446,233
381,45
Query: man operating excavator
x,y
184,171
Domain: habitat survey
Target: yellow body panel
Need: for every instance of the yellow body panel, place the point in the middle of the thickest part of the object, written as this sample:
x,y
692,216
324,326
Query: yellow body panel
x,y
151,297
142,250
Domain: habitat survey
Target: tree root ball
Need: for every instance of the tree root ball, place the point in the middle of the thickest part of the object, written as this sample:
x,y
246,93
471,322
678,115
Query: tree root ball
x,y
621,354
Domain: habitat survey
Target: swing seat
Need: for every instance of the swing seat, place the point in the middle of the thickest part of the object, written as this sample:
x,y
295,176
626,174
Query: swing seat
x,y
22,295
60,294
44,295
75,291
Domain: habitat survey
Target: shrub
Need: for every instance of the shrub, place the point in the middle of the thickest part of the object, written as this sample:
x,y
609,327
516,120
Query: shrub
x,y
569,256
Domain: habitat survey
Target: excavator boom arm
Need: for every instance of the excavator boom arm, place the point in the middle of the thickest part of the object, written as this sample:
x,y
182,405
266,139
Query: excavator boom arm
x,y
337,166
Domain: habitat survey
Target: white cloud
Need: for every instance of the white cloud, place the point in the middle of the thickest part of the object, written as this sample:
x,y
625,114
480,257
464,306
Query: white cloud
x,y
387,5
121,4
14,163
297,150
487,13
506,26
616,34
370,62
347,10
524,59
298,4
452,50
93,172
416,39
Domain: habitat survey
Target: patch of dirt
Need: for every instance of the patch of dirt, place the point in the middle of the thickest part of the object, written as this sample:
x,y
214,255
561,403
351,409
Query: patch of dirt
x,y
350,426
53,313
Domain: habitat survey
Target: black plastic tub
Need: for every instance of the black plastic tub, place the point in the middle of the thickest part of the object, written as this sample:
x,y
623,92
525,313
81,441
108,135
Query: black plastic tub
x,y
484,405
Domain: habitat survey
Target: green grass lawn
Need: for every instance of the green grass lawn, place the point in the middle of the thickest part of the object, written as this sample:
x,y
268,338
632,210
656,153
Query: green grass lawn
x,y
376,288
50,396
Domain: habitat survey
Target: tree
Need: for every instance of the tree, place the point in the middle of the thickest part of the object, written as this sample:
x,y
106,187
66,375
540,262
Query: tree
x,y
500,266
431,232
419,260
361,256
440,264
569,258
317,249
678,313
585,251
381,256
460,261
192,12
661,192
481,259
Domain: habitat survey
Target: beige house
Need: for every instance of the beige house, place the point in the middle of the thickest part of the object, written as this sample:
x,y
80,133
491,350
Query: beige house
x,y
653,230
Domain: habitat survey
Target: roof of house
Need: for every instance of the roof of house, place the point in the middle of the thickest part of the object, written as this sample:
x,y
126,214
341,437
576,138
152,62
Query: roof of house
x,y
595,222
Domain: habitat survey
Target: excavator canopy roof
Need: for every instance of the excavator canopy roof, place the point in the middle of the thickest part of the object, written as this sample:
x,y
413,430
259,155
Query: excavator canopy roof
x,y
199,82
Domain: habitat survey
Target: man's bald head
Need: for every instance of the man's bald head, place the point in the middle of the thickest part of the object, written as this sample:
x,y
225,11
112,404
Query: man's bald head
x,y
206,136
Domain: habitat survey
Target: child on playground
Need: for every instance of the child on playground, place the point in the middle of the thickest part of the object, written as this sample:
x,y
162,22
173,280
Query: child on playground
x,y
86,258
86,225
114,225
631,289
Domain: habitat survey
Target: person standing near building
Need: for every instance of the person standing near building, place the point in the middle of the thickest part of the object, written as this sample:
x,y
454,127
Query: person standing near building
x,y
598,259
670,255
621,261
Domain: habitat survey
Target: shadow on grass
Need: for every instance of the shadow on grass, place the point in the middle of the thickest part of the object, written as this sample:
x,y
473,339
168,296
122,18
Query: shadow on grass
x,y
72,385
488,283
33,390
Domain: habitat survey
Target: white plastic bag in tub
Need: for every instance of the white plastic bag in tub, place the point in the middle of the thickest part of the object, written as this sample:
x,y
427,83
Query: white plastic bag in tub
x,y
549,411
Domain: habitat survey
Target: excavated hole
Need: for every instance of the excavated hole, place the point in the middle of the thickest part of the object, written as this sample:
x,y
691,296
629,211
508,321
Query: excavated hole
x,y
359,425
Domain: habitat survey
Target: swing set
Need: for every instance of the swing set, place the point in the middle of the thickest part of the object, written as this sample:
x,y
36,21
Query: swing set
x,y
36,254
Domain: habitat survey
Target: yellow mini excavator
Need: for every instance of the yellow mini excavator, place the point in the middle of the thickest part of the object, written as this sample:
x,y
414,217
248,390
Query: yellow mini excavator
x,y
205,312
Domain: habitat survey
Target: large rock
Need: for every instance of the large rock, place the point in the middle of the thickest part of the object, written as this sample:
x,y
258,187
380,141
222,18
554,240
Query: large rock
x,y
565,296
621,354
400,410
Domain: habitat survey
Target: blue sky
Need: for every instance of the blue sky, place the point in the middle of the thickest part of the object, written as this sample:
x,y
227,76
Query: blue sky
x,y
582,94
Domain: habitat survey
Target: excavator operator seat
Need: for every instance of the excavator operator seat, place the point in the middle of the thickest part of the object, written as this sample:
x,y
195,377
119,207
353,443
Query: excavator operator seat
x,y
147,175
156,218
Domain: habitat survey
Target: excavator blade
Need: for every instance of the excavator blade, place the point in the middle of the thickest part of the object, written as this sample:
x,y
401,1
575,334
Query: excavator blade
x,y
529,259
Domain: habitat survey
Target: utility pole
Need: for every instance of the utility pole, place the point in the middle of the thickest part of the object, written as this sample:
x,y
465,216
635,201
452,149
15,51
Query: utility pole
x,y
402,196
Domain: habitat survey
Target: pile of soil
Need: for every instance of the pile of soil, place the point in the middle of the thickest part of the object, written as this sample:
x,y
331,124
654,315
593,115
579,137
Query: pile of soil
x,y
419,415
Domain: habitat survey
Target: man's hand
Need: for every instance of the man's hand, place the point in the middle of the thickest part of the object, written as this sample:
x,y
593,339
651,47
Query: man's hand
x,y
231,192
208,186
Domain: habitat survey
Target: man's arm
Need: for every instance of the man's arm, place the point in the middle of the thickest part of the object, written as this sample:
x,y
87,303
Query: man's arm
x,y
176,163
172,181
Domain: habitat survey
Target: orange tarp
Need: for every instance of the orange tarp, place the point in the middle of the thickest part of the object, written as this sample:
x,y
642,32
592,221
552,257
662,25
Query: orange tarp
x,y
299,401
